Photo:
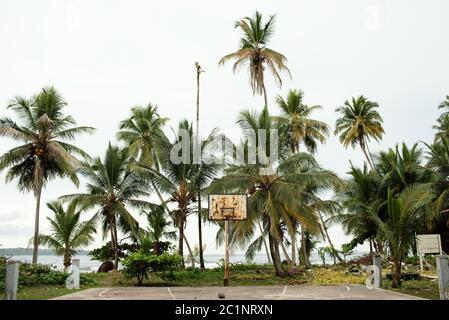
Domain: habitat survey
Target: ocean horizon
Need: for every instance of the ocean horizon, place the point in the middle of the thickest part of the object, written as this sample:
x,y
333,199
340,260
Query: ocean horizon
x,y
210,260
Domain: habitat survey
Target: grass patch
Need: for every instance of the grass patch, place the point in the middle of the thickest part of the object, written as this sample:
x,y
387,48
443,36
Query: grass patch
x,y
423,288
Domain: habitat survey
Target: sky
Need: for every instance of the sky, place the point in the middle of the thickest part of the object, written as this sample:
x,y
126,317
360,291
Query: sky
x,y
105,57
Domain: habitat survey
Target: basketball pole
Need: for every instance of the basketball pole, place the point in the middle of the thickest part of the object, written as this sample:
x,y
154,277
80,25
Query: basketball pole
x,y
226,255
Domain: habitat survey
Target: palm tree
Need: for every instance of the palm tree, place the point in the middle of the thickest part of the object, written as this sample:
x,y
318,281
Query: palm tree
x,y
400,227
300,127
142,132
359,122
112,189
180,180
43,153
254,52
438,163
69,234
442,126
158,227
444,105
322,254
360,200
402,167
275,200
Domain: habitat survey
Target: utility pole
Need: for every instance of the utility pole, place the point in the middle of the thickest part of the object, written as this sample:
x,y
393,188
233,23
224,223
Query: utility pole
x,y
197,159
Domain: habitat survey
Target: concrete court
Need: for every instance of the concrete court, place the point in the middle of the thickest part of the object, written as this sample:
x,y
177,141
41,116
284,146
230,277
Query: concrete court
x,y
340,292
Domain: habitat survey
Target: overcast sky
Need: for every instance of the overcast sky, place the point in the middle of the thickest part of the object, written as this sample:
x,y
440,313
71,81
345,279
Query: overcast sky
x,y
107,56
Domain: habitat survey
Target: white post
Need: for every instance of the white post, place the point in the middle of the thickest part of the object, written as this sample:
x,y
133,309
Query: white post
x,y
73,280
12,279
443,276
377,263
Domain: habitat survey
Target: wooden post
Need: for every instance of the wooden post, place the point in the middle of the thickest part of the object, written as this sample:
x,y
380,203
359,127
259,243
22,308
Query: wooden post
x,y
226,256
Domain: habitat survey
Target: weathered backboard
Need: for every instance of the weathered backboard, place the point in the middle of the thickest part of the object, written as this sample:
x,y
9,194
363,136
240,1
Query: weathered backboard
x,y
227,207
428,243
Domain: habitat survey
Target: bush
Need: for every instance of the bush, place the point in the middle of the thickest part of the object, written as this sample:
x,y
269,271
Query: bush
x,y
405,276
105,253
33,275
139,265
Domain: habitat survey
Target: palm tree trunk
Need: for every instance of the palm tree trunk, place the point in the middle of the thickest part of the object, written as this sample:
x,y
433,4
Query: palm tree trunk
x,y
200,233
67,261
284,251
265,95
114,240
192,258
369,153
329,238
293,238
264,243
36,223
181,241
274,249
116,257
363,147
370,246
303,247
396,276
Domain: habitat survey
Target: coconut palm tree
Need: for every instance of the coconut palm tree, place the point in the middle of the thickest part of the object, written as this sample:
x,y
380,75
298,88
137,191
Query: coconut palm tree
x,y
360,201
301,129
180,179
401,226
112,189
68,233
276,200
358,123
142,132
438,163
444,105
253,51
293,178
442,128
402,167
158,227
44,153
322,254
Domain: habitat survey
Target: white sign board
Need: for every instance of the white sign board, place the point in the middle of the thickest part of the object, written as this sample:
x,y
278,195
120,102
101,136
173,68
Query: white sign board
x,y
428,243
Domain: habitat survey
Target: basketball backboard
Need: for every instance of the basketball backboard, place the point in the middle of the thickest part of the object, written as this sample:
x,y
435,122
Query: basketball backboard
x,y
227,207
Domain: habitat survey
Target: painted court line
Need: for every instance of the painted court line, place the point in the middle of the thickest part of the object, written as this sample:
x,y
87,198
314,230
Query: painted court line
x,y
103,292
283,293
171,294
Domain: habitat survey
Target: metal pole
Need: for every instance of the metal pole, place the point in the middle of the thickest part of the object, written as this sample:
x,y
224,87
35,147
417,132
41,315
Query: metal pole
x,y
226,257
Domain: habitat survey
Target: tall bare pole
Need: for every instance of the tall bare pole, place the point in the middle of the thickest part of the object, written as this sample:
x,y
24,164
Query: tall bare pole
x,y
197,156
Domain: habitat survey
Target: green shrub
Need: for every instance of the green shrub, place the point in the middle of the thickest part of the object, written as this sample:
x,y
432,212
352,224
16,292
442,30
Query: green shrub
x,y
407,276
34,275
139,265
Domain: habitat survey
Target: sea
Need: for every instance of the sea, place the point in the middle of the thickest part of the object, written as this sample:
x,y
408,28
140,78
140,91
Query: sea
x,y
210,260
